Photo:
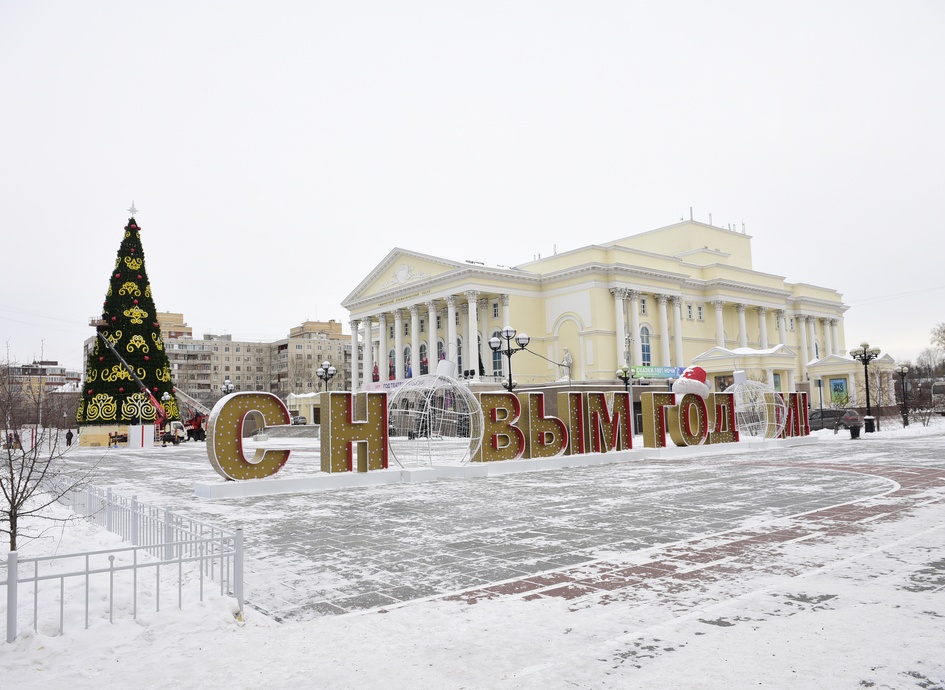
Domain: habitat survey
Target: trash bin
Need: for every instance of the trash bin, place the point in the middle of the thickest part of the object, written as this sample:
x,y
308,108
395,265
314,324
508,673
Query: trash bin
x,y
854,432
870,423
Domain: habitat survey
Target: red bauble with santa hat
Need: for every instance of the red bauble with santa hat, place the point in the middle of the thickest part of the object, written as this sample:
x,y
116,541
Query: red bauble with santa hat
x,y
693,380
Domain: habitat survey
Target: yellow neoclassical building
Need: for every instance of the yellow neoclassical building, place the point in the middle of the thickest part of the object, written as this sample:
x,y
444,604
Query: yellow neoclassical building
x,y
656,301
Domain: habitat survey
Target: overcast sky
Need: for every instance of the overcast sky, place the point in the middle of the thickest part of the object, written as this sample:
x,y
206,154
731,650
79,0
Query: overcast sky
x,y
313,137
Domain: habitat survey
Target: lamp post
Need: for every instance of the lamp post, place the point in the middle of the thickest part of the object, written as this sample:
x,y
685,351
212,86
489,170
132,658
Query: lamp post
x,y
325,372
227,387
902,370
623,373
507,334
866,354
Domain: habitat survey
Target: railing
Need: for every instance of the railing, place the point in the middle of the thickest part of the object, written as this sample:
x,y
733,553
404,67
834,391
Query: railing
x,y
178,549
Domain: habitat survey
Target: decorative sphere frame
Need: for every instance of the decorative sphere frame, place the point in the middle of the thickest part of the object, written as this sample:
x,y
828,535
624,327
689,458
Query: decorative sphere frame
x,y
759,411
433,420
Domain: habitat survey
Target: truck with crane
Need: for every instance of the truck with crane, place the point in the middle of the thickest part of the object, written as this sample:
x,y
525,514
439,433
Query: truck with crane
x,y
175,431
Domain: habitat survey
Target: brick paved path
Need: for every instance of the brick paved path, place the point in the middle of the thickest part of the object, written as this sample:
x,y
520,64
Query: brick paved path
x,y
734,557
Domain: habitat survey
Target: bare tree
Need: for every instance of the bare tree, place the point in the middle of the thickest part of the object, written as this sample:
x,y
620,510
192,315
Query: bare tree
x,y
33,471
938,336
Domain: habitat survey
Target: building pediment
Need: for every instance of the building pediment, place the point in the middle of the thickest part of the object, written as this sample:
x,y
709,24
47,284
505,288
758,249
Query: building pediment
x,y
742,355
399,269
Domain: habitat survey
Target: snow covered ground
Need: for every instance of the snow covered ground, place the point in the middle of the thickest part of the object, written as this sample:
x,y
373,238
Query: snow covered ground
x,y
812,567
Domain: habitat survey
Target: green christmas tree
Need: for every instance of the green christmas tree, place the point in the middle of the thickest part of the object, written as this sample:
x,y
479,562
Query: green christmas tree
x,y
114,377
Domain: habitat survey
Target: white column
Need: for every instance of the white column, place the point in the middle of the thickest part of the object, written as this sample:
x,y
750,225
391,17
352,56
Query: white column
x,y
399,344
451,331
505,311
677,332
828,338
664,330
637,359
383,364
472,345
763,325
482,317
790,381
431,337
463,327
620,327
769,376
782,326
354,355
368,345
812,337
415,340
742,327
836,337
802,338
719,323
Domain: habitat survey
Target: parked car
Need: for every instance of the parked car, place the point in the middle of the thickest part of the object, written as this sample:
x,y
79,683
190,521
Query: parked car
x,y
299,420
834,419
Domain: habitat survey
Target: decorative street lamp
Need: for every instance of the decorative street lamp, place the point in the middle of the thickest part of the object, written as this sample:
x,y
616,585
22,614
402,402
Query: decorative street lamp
x,y
623,373
325,372
507,334
866,354
902,370
227,387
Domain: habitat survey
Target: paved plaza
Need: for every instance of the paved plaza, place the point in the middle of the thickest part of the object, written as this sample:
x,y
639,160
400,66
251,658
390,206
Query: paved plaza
x,y
654,533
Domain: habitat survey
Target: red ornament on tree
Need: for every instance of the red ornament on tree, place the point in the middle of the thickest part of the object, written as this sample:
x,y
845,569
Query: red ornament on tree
x,y
121,390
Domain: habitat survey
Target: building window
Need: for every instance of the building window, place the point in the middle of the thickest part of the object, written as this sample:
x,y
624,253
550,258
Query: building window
x,y
791,322
438,326
424,363
645,347
422,326
391,333
495,310
439,350
496,357
456,318
408,369
643,306
689,312
406,328
699,312
459,354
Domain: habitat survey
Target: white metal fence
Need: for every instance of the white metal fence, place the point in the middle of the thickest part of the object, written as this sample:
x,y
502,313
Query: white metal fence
x,y
167,550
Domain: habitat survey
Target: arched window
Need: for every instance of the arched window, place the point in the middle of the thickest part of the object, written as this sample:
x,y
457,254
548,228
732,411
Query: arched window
x,y
496,358
391,364
424,364
439,350
408,369
459,354
645,347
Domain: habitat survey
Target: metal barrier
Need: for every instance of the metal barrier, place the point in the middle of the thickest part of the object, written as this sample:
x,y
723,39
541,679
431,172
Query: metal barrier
x,y
174,546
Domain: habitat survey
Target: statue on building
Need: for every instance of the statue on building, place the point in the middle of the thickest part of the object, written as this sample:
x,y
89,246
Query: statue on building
x,y
566,365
